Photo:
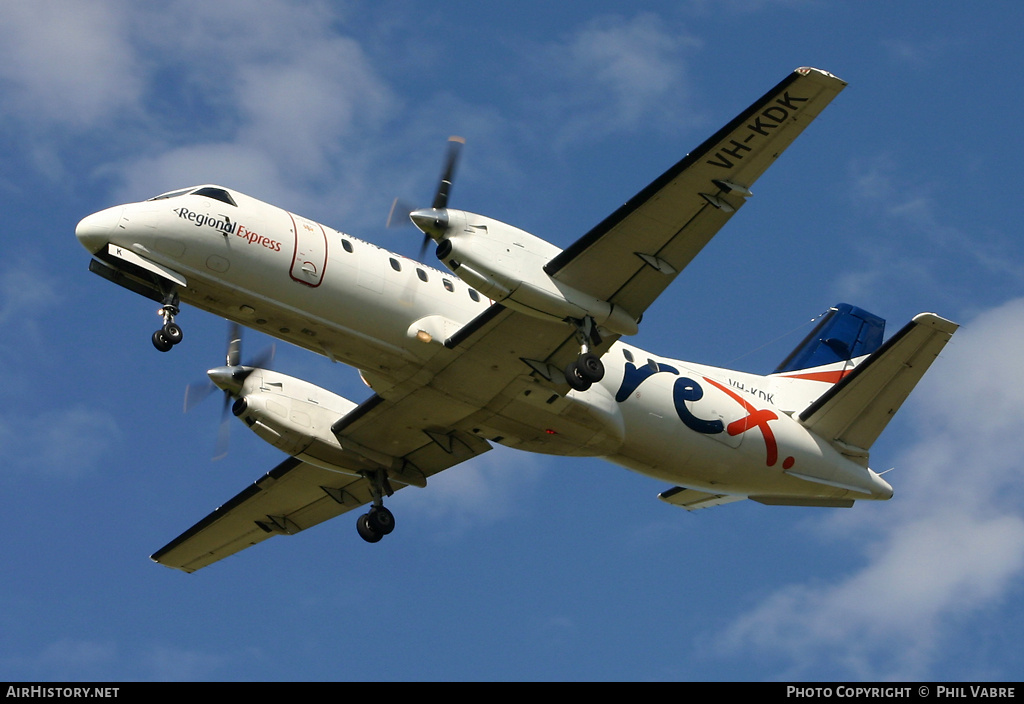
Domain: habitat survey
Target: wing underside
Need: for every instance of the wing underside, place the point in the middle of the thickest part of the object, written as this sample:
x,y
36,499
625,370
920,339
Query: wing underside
x,y
637,251
297,495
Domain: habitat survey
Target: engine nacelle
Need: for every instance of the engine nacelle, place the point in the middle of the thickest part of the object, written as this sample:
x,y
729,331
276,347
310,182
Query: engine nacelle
x,y
506,264
296,416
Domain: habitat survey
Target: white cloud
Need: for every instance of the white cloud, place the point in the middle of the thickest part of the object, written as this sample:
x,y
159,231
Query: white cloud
x,y
25,290
67,63
483,490
267,98
950,544
909,238
65,442
618,74
247,168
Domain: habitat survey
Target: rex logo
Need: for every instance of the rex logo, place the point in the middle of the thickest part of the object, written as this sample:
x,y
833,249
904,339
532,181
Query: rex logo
x,y
686,389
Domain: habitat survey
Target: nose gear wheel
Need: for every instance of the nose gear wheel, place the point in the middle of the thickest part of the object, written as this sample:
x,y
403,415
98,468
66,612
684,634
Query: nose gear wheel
x,y
170,334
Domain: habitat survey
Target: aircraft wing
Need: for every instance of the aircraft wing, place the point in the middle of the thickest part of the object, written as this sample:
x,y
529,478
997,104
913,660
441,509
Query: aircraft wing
x,y
297,495
636,252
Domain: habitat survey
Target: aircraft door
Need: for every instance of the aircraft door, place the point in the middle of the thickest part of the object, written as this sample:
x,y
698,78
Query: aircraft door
x,y
310,258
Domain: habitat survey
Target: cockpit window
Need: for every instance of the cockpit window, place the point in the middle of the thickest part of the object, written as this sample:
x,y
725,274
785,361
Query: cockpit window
x,y
208,191
172,194
217,194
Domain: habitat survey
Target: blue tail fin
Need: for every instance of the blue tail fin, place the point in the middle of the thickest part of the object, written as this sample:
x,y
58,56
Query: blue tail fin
x,y
844,333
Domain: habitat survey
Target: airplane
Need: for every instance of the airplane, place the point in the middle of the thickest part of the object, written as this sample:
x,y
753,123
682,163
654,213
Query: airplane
x,y
516,342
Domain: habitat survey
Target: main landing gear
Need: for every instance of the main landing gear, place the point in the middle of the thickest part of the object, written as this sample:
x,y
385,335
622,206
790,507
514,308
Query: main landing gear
x,y
587,369
170,334
378,521
375,524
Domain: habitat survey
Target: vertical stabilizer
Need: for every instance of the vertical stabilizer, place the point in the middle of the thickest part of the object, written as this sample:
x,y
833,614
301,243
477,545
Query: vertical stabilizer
x,y
843,334
844,337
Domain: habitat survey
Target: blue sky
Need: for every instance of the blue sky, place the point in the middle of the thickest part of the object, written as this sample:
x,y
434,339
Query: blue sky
x,y
900,198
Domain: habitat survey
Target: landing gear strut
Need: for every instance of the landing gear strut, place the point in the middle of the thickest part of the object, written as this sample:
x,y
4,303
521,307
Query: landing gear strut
x,y
378,521
170,334
587,369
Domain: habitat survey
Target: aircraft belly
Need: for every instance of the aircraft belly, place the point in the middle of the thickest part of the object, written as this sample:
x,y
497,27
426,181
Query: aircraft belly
x,y
774,456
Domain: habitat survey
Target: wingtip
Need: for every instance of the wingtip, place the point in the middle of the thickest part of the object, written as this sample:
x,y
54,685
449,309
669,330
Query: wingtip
x,y
937,322
822,73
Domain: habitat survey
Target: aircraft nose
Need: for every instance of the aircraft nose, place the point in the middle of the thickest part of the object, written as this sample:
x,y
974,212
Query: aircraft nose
x,y
94,230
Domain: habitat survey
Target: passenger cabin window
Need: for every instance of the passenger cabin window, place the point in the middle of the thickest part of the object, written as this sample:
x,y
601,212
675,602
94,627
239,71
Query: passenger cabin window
x,y
217,194
422,274
395,264
346,245
448,285
628,355
474,295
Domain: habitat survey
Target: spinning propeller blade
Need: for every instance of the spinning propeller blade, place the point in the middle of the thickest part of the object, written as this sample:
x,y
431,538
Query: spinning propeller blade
x,y
455,145
402,210
228,378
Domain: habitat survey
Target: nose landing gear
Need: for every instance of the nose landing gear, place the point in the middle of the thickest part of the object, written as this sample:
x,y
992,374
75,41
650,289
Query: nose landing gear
x,y
170,334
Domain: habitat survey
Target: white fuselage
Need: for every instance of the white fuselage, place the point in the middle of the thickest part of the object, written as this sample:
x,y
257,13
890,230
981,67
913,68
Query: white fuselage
x,y
696,426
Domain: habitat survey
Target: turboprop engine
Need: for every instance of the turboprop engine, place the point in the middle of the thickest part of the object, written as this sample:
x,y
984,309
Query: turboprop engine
x,y
297,417
291,414
506,264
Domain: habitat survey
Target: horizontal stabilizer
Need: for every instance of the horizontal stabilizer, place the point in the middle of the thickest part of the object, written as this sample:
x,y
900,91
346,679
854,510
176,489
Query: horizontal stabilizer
x,y
801,501
852,414
691,499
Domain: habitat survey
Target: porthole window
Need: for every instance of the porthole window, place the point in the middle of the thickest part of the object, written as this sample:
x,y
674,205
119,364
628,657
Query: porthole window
x,y
627,354
474,295
346,245
422,274
448,285
395,264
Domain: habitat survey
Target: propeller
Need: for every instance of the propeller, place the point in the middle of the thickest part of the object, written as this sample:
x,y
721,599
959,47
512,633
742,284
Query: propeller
x,y
229,379
455,145
425,219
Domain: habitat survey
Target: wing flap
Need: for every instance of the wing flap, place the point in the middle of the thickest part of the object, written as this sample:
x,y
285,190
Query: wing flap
x,y
852,414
